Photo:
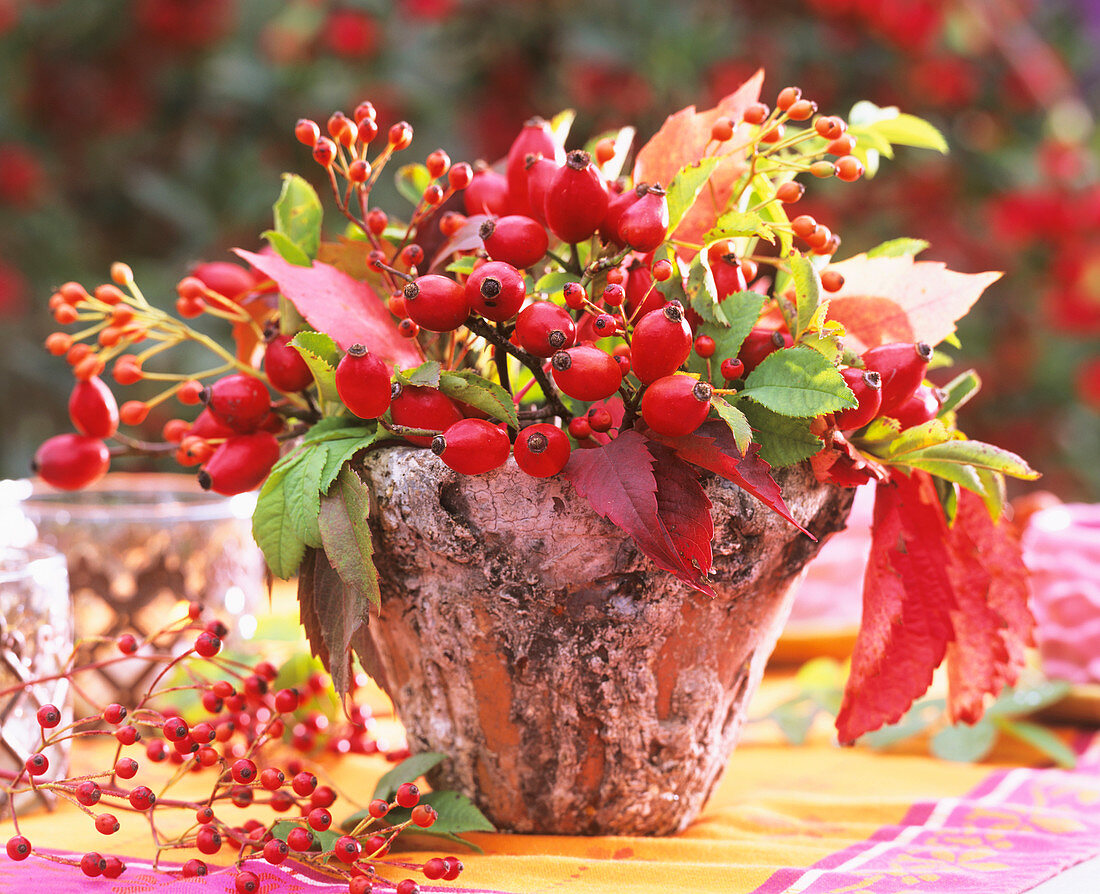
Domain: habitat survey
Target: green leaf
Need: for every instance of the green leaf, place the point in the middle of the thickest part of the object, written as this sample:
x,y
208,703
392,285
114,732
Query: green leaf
x,y
685,188
286,249
477,391
1040,738
807,289
898,248
298,213
456,814
734,224
1020,701
916,720
909,130
426,374
554,281
783,441
977,454
463,264
340,452
347,539
736,421
964,744
283,549
795,718
775,213
321,355
994,493
322,841
412,180
959,390
303,493
798,382
336,427
409,770
917,437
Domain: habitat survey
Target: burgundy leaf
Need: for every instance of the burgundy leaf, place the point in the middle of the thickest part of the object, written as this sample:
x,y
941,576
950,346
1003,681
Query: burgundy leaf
x,y
712,447
335,303
684,510
907,605
618,481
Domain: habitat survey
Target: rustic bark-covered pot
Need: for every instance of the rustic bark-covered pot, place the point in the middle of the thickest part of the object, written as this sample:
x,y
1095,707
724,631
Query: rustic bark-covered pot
x,y
576,688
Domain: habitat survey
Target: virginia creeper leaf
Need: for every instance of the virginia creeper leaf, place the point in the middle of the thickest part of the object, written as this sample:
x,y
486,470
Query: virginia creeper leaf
x,y
892,299
907,605
684,510
798,382
712,446
682,140
333,302
618,481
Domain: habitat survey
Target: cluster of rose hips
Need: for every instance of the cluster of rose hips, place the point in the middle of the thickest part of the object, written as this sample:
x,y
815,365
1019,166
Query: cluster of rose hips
x,y
608,332
249,725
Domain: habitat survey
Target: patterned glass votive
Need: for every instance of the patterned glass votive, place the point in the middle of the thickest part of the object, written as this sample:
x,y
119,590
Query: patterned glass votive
x,y
139,545
36,641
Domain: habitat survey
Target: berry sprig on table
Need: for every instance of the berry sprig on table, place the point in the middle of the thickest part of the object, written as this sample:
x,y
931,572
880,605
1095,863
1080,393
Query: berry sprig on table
x,y
253,745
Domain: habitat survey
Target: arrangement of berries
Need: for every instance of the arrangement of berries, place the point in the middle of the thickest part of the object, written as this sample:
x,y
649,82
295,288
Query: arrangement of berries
x,y
659,322
254,742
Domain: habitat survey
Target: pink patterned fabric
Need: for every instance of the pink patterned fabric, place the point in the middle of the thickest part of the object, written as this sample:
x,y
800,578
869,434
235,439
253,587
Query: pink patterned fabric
x,y
1015,830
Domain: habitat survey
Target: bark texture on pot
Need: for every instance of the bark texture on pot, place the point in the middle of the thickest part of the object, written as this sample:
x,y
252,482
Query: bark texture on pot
x,y
576,688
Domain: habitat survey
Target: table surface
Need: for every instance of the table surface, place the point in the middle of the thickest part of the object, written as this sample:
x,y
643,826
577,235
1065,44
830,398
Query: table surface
x,y
814,818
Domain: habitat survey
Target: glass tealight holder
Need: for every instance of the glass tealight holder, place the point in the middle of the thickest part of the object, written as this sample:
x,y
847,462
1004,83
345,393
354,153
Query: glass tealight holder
x,y
139,547
36,642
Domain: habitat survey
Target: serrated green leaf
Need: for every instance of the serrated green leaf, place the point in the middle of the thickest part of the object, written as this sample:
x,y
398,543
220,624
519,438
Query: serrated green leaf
x,y
346,536
412,180
467,386
702,292
321,355
964,744
783,440
960,390
271,528
340,452
456,814
977,454
735,224
286,249
409,770
335,427
807,289
427,374
828,346
1041,739
735,419
303,493
685,188
798,382
898,248
463,264
320,344
554,281
298,213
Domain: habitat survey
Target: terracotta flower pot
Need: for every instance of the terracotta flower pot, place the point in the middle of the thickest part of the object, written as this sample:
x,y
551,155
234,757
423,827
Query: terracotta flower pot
x,y
576,688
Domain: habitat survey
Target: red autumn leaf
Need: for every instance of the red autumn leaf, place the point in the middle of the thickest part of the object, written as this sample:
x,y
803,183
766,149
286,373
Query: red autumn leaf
x,y
993,625
684,509
618,482
684,138
345,308
886,300
907,604
712,447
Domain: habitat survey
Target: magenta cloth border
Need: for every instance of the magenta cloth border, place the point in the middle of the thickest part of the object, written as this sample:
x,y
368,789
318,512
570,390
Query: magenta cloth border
x,y
1014,830
38,875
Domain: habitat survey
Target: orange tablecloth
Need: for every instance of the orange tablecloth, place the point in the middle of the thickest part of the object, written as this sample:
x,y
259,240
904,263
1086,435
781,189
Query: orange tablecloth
x,y
867,821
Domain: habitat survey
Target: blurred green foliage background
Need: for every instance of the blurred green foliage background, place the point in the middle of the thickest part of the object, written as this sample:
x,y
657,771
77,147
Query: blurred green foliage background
x,y
155,131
